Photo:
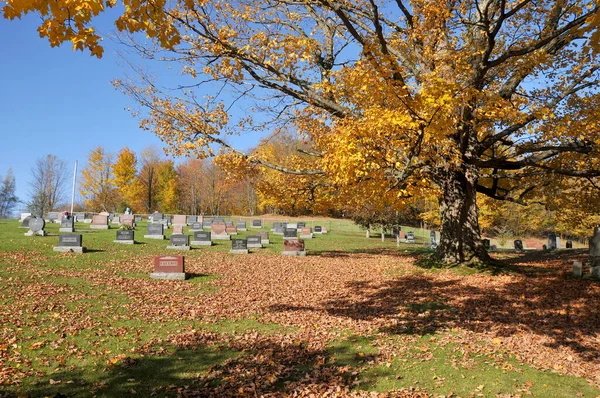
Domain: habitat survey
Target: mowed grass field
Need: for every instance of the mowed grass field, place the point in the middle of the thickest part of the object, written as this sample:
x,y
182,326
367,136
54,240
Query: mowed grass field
x,y
356,317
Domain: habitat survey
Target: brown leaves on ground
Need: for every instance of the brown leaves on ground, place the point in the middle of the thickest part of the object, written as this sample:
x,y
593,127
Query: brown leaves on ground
x,y
539,313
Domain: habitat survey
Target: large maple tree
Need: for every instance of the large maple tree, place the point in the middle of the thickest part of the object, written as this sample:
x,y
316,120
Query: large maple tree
x,y
462,97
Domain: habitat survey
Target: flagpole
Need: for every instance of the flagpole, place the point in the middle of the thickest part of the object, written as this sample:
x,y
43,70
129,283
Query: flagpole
x,y
73,191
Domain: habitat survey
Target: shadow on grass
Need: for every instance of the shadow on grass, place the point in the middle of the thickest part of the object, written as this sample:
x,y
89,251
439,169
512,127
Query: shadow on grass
x,y
255,366
94,251
540,298
397,252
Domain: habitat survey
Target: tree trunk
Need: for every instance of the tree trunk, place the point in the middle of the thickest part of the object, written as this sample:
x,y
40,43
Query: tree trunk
x,y
460,237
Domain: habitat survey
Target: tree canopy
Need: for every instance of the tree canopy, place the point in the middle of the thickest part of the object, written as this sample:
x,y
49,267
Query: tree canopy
x,y
404,98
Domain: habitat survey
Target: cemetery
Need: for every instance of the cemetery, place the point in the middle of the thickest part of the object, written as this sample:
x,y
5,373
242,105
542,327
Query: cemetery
x,y
427,301
391,199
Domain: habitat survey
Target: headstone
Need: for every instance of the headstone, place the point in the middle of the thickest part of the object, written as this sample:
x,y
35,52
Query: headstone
x,y
301,224
166,222
80,216
318,230
219,231
569,244
156,217
115,219
518,245
533,244
137,218
231,230
290,233
402,236
36,226
67,224
128,219
169,267
99,221
544,247
53,216
125,237
241,225
254,242
264,237
177,229
179,219
432,240
218,220
191,219
256,224
179,242
594,253
410,237
293,247
201,238
25,223
24,216
577,269
70,243
206,223
306,233
239,246
486,244
228,223
278,228
104,213
552,241
292,225
155,231
195,226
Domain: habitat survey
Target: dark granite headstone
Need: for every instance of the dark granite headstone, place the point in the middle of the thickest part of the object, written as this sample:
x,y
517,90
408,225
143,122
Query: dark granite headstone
x,y
254,241
179,240
196,226
239,244
518,245
67,222
192,219
156,229
290,233
53,216
257,223
25,223
486,244
69,240
410,236
156,217
137,218
125,235
318,229
301,224
264,237
569,244
202,236
206,223
552,241
240,225
229,223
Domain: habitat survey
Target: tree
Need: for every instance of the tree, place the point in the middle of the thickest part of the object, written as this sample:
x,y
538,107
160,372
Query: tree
x,y
97,181
191,186
461,98
48,185
126,181
167,187
8,199
148,177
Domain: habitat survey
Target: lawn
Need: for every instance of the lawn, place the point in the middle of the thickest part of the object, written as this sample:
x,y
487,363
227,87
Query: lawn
x,y
355,317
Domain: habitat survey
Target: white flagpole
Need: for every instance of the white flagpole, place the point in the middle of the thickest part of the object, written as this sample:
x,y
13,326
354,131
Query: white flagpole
x,y
73,191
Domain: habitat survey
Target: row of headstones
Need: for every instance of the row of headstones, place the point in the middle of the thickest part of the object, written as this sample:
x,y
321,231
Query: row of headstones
x,y
594,259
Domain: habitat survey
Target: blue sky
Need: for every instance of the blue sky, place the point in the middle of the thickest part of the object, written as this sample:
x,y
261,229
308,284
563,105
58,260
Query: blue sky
x,y
57,101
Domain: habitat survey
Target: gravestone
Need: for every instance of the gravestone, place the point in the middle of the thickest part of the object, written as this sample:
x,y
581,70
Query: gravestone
x,y
278,228
553,242
53,216
25,223
241,226
323,230
292,225
36,226
306,233
290,233
594,254
155,231
137,218
166,221
99,221
486,244
179,219
169,267
256,224
518,245
231,229
128,219
293,247
201,238
104,213
113,218
254,242
228,223
177,229
67,224
156,217
80,216
569,244
577,269
301,224
533,244
402,236
191,219
239,246
24,216
318,230
125,237
264,237
195,226
219,231
179,242
206,223
544,247
218,220
70,243
410,237
432,240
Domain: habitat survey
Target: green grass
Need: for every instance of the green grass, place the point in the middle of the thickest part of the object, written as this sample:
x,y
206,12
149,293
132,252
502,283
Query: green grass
x,y
78,336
